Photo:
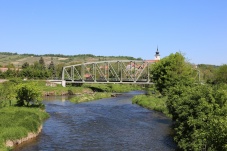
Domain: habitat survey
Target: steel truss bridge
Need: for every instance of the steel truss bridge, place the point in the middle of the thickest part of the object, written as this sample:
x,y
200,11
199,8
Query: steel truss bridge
x,y
120,71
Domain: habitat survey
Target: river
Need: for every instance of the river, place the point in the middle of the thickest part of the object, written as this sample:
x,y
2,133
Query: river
x,y
103,125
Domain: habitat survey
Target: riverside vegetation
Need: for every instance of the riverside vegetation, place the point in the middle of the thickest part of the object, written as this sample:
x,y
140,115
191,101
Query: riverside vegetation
x,y
199,110
22,111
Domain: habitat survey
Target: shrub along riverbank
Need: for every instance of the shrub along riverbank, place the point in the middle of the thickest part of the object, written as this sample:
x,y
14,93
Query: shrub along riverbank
x,y
17,122
89,97
101,91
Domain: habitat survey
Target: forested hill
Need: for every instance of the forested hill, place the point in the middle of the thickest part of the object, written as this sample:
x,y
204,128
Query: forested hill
x,y
8,58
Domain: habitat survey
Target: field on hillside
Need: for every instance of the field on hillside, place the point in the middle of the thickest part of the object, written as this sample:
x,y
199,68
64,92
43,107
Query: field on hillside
x,y
19,59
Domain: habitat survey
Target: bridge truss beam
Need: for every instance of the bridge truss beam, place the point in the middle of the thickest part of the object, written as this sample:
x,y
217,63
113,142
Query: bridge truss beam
x,y
120,71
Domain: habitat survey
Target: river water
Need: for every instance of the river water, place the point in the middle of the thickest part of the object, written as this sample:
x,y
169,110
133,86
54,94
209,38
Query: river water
x,y
112,124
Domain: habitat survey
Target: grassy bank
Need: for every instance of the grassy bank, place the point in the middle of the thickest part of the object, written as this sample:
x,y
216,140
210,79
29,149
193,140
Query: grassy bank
x,y
17,122
102,91
119,88
85,88
153,102
59,90
89,97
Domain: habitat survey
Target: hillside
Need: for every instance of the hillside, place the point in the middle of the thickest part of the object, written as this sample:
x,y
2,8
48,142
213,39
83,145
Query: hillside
x,y
18,60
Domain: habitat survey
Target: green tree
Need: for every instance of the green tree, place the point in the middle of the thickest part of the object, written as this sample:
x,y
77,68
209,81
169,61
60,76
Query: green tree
x,y
52,69
198,111
25,65
7,93
42,63
10,65
59,69
207,72
10,73
221,74
170,71
28,93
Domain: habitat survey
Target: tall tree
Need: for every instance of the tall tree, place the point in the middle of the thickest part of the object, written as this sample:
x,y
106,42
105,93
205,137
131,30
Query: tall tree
x,y
42,63
7,93
221,74
25,65
170,71
52,69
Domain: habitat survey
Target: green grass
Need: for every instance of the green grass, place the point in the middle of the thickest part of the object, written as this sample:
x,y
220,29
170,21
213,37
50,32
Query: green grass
x,y
90,97
119,88
17,122
152,102
58,89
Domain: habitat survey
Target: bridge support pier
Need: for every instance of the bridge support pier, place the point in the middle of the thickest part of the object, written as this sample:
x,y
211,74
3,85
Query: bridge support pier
x,y
63,83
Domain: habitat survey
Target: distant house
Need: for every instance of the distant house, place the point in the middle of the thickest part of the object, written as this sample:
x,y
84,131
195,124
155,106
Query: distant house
x,y
5,69
88,76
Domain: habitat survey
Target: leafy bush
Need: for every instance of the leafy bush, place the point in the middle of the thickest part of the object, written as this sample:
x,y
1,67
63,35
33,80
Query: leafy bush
x,y
28,93
200,114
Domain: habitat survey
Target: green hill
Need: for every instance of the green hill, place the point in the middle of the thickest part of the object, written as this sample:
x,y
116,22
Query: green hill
x,y
18,60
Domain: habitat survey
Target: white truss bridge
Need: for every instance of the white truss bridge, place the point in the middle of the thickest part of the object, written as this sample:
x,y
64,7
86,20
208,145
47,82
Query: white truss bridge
x,y
115,71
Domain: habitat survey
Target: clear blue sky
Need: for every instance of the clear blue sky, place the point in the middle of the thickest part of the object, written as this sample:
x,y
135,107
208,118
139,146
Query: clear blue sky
x,y
197,28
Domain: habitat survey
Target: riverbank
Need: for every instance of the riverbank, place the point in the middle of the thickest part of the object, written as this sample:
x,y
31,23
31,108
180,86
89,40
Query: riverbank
x,y
19,124
11,143
90,97
152,102
86,89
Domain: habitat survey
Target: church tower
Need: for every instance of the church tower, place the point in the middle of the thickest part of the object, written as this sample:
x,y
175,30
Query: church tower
x,y
157,55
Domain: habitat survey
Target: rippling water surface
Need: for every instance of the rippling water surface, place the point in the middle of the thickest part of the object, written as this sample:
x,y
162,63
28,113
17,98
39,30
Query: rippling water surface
x,y
102,125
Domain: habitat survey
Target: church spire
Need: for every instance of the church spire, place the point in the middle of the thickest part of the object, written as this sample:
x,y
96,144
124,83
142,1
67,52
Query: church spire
x,y
157,55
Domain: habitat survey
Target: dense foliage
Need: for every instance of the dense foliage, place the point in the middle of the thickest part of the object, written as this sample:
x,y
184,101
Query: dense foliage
x,y
28,94
200,115
221,74
7,94
207,73
170,71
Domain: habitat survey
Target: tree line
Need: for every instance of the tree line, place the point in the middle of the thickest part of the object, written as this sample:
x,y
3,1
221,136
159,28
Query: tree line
x,y
38,70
